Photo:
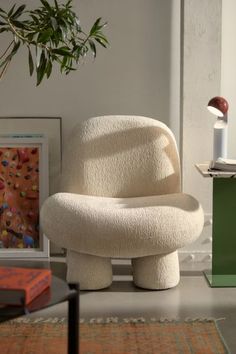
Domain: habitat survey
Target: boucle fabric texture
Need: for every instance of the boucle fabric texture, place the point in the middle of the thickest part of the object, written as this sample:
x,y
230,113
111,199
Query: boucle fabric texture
x,y
121,156
121,198
94,272
122,227
164,271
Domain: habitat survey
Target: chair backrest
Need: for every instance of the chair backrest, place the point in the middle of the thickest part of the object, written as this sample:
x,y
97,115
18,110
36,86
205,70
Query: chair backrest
x,y
121,156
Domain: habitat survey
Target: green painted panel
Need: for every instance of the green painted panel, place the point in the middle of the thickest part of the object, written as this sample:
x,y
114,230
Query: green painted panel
x,y
220,281
224,226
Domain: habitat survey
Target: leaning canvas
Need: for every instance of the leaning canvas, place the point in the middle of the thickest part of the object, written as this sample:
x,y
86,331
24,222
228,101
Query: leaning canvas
x,y
23,187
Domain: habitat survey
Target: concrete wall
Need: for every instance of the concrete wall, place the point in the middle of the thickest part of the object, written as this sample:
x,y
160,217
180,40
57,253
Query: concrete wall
x,y
201,58
200,80
228,70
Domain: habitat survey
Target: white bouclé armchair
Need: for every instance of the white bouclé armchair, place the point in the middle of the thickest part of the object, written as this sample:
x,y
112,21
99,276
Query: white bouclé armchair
x,y
121,198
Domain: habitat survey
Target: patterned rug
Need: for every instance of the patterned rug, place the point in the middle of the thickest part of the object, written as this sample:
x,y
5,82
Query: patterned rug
x,y
127,337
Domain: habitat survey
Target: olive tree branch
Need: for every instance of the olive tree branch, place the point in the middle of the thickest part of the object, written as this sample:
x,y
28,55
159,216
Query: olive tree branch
x,y
5,52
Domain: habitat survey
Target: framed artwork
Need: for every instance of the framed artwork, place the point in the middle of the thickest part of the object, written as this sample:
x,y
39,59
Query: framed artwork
x,y
50,127
23,188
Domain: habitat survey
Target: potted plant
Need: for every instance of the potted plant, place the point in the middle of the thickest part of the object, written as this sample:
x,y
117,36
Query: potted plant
x,y
52,34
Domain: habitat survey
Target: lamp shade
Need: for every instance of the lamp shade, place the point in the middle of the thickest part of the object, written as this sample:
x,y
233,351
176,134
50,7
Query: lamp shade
x,y
218,106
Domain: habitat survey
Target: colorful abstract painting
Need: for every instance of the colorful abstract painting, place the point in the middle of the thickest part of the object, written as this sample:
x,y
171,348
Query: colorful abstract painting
x,y
19,197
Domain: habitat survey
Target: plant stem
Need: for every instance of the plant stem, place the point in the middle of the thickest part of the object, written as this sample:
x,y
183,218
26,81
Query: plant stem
x,y
15,31
25,39
6,50
4,69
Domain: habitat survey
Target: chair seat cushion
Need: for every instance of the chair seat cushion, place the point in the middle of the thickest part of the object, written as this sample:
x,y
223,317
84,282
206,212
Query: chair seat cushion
x,y
122,227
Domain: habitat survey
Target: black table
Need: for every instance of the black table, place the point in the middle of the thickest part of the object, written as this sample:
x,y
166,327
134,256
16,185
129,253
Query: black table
x,y
59,292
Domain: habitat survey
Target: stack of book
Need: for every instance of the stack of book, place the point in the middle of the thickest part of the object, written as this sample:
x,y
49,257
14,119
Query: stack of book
x,y
20,286
222,164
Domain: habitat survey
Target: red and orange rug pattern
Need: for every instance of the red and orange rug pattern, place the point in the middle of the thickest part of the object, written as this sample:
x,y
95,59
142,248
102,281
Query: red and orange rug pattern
x,y
197,337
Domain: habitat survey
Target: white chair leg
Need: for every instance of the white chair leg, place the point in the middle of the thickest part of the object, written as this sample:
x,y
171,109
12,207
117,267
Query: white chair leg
x,y
91,272
156,272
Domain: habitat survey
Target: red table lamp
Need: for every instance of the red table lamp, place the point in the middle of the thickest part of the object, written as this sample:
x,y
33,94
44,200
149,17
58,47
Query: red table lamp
x,y
219,107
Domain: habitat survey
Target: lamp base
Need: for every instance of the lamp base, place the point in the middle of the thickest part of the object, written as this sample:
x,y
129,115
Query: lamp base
x,y
220,139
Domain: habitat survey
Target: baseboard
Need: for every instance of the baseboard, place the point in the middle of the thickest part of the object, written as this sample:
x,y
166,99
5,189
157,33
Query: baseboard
x,y
195,256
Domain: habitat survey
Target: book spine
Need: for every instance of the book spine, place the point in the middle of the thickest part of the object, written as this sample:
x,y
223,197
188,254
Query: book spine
x,y
41,283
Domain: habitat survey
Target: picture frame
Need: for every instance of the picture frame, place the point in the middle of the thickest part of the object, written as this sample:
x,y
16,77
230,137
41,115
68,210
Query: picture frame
x,y
51,127
47,126
24,185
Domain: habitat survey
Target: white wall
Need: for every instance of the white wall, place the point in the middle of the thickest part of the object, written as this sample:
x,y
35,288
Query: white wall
x,y
228,69
138,74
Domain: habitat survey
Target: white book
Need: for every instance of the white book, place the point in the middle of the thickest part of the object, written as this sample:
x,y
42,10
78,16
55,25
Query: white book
x,y
223,164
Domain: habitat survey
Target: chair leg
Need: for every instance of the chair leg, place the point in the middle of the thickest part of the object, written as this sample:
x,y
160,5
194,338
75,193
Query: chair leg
x,y
156,272
92,272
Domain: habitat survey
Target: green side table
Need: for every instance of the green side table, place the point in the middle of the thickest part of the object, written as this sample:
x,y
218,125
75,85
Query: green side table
x,y
223,273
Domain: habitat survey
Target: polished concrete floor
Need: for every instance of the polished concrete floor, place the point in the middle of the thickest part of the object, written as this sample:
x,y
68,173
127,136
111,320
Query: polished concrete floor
x,y
192,298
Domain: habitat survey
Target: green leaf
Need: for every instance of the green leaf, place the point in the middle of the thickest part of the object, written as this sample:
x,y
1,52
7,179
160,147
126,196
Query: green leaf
x,y
4,69
41,70
40,75
49,68
54,23
38,56
54,30
64,62
56,5
46,5
93,48
35,18
31,63
16,47
56,39
5,17
101,36
3,30
68,4
62,51
11,10
18,24
94,27
19,11
101,41
30,36
44,36
97,26
13,52
63,32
